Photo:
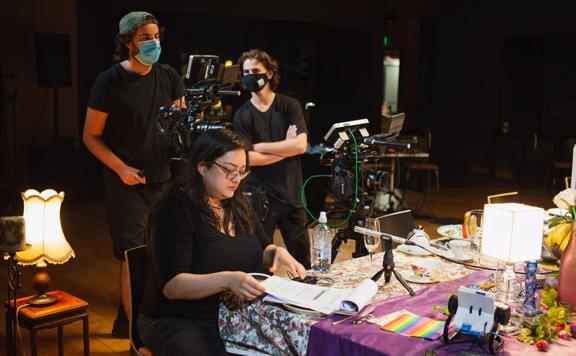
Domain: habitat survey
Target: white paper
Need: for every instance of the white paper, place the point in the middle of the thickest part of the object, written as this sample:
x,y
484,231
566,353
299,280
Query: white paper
x,y
323,299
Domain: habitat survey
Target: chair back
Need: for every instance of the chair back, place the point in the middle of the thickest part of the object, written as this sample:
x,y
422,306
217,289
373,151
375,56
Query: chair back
x,y
137,260
510,197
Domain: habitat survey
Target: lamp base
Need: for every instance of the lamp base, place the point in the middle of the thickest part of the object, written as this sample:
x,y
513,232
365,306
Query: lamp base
x,y
508,290
42,300
41,282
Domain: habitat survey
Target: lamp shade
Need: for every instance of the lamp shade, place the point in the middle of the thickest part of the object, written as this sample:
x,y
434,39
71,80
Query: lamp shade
x,y
43,229
512,232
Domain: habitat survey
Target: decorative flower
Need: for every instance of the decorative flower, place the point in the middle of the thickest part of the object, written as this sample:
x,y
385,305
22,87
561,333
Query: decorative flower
x,y
542,345
563,334
566,199
559,234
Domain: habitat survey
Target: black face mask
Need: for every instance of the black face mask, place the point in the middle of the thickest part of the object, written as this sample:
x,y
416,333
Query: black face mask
x,y
255,82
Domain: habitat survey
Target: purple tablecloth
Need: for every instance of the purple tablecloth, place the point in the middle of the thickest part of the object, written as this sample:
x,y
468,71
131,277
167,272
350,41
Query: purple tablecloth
x,y
368,339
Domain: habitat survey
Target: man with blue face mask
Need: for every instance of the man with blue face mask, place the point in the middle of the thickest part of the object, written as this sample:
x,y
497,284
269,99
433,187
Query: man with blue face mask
x,y
120,130
274,124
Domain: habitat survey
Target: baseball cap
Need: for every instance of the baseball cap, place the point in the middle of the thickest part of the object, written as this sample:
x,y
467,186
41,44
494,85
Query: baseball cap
x,y
133,20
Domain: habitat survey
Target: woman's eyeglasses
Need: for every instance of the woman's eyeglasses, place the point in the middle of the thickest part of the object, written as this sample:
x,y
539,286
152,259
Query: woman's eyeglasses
x,y
232,173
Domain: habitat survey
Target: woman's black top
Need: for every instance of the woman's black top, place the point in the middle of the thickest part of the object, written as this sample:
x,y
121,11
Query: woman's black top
x,y
180,243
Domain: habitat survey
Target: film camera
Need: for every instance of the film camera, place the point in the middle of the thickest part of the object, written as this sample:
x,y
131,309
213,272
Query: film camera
x,y
351,182
208,80
348,161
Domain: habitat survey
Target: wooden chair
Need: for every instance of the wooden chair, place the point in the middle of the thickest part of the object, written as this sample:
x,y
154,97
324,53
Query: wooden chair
x,y
553,169
510,197
137,260
425,166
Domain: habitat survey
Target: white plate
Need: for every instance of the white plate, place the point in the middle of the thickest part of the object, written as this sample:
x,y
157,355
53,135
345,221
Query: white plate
x,y
419,280
451,231
467,258
413,250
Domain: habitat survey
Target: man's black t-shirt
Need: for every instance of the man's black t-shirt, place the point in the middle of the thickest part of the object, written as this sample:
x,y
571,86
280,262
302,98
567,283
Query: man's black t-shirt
x,y
185,245
132,102
283,179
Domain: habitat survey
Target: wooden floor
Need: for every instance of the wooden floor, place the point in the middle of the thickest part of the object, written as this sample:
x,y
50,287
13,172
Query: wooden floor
x,y
92,275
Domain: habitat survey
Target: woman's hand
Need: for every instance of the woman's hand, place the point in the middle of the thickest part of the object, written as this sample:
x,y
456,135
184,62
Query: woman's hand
x,y
284,258
244,285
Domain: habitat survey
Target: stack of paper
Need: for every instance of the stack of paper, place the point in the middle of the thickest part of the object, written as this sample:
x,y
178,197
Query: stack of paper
x,y
323,299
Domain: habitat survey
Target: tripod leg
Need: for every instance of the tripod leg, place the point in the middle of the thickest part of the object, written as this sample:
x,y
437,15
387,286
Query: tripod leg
x,y
336,242
403,282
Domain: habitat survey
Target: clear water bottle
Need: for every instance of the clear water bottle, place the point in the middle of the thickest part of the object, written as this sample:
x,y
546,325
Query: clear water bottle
x,y
321,246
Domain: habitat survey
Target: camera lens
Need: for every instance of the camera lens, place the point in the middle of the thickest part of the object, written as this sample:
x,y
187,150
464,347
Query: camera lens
x,y
376,181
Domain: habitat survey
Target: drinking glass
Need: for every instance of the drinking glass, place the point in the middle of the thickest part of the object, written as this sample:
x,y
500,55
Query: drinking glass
x,y
473,226
371,242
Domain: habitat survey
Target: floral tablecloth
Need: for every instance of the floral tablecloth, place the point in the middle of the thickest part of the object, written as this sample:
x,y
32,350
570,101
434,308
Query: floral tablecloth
x,y
271,329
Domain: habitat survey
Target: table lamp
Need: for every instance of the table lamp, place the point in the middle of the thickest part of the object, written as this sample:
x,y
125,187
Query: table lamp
x,y
511,233
44,233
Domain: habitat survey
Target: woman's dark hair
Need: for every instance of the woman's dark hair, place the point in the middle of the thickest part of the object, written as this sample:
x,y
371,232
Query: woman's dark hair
x,y
122,39
207,147
269,63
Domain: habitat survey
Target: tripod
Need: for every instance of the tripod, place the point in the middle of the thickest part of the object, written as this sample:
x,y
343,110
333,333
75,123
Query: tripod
x,y
343,235
388,267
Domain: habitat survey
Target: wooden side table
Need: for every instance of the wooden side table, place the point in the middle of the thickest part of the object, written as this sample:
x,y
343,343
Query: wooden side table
x,y
66,310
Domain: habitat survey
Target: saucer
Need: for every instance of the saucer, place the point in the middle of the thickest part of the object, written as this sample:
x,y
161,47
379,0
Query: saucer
x,y
413,250
465,258
419,280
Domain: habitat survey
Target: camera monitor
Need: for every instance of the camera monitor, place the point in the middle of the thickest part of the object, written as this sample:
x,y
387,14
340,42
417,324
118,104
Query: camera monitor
x,y
206,70
399,223
392,125
337,134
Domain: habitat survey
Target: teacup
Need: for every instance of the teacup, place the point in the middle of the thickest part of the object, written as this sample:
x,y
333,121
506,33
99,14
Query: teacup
x,y
423,268
459,248
419,237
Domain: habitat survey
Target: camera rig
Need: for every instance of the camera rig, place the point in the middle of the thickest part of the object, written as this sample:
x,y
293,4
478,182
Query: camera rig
x,y
209,80
352,184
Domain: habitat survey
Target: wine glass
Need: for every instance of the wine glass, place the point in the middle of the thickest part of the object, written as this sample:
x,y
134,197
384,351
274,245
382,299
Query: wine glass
x,y
473,226
371,242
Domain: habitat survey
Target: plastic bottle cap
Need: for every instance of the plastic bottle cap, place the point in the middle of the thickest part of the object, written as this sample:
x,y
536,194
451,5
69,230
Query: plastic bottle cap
x,y
323,219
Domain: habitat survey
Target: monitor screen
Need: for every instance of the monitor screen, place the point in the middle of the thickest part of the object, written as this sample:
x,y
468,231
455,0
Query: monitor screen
x,y
392,125
399,223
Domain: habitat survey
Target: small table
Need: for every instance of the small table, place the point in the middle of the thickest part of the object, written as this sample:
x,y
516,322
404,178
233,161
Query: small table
x,y
67,309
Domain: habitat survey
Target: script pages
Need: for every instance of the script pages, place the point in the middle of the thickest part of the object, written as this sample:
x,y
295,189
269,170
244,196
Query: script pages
x,y
326,300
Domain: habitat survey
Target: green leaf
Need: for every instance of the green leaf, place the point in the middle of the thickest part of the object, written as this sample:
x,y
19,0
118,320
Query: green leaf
x,y
444,310
557,220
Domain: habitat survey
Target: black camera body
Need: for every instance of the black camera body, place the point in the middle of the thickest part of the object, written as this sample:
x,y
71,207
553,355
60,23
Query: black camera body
x,y
370,181
208,81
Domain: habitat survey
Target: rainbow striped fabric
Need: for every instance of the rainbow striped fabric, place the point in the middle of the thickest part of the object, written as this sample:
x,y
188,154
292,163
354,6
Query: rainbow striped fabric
x,y
410,324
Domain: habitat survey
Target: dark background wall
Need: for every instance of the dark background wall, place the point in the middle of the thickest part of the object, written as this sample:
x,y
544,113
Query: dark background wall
x,y
494,84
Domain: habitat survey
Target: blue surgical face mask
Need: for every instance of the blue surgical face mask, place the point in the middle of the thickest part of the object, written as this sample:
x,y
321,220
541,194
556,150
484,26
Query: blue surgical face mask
x,y
148,52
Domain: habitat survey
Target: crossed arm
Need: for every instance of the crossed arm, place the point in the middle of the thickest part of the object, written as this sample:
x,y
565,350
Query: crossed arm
x,y
266,153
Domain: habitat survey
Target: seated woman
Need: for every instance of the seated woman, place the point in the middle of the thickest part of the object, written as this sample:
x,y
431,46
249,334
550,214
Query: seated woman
x,y
205,241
